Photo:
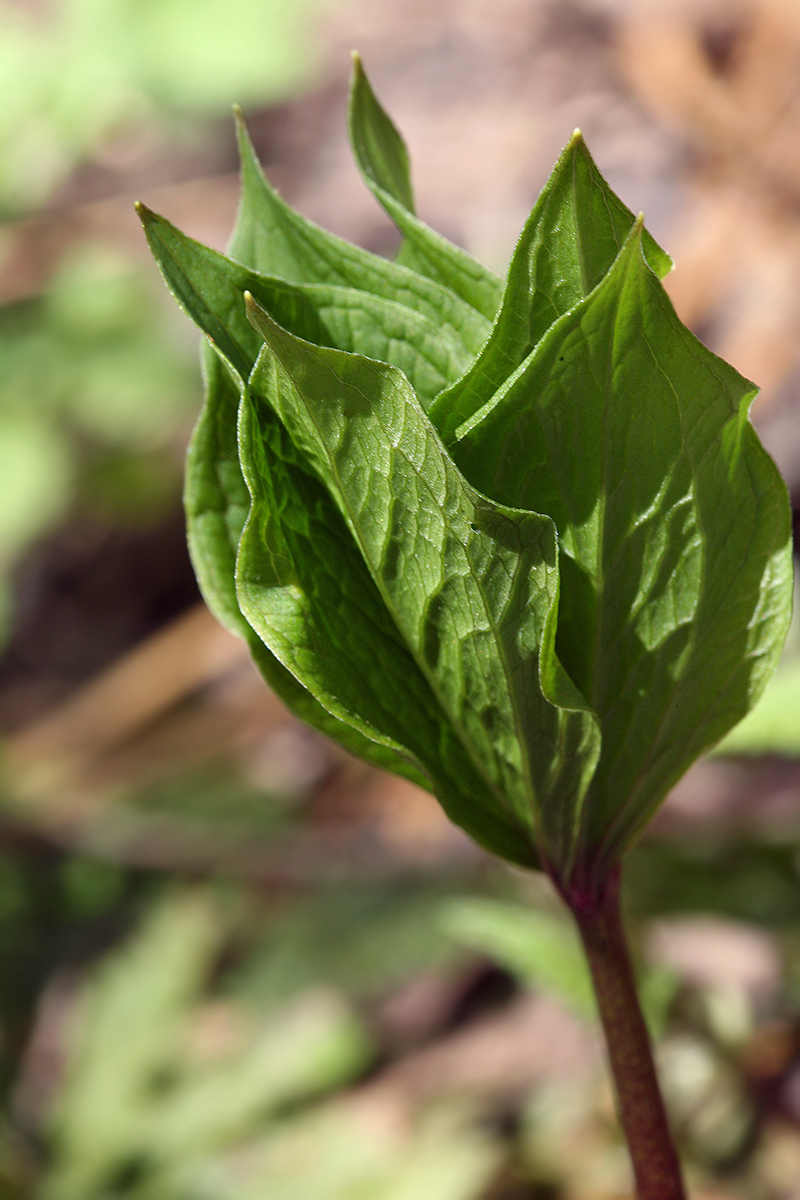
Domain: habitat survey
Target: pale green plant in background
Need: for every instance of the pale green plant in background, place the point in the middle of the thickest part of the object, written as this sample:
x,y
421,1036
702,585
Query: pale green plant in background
x,y
97,386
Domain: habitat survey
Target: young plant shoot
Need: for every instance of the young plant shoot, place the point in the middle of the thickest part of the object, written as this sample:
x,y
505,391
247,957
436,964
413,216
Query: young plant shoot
x,y
518,542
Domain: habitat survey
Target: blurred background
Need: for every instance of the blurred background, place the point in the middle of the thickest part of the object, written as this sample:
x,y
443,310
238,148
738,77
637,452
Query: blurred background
x,y
234,962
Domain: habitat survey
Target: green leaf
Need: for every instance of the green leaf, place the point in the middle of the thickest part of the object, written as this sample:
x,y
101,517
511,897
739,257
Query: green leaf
x,y
277,240
470,586
378,147
340,1152
210,288
552,592
217,504
569,242
307,593
673,525
543,951
216,498
382,158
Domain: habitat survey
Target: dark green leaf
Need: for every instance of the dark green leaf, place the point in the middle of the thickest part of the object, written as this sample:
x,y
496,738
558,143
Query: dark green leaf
x,y
307,593
217,503
471,586
673,526
569,242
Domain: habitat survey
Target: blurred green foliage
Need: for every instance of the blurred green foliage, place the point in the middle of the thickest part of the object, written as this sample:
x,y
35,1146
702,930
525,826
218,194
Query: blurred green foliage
x,y
98,380
156,1083
216,1042
364,940
79,72
177,1085
542,950
97,388
773,727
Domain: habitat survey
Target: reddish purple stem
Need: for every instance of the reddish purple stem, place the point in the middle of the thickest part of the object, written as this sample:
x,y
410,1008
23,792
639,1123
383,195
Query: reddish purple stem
x,y
641,1108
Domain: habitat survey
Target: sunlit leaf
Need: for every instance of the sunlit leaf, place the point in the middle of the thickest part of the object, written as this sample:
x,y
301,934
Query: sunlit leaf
x,y
543,563
674,533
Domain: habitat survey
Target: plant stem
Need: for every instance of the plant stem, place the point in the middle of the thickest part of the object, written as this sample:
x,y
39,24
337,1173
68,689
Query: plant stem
x,y
640,1105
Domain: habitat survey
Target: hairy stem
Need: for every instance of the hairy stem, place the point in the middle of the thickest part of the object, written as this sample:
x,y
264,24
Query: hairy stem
x,y
639,1101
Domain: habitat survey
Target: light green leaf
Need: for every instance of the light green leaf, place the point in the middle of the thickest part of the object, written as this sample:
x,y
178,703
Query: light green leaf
x,y
382,158
277,240
673,525
470,586
378,147
340,1152
137,1090
542,950
313,1045
569,242
210,288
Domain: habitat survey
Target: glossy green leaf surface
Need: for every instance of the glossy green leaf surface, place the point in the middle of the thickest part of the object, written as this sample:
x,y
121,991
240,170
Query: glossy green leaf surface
x,y
674,532
307,592
277,240
210,288
525,550
569,242
469,585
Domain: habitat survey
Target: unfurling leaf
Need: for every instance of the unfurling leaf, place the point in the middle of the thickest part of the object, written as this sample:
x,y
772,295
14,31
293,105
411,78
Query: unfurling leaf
x,y
520,544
